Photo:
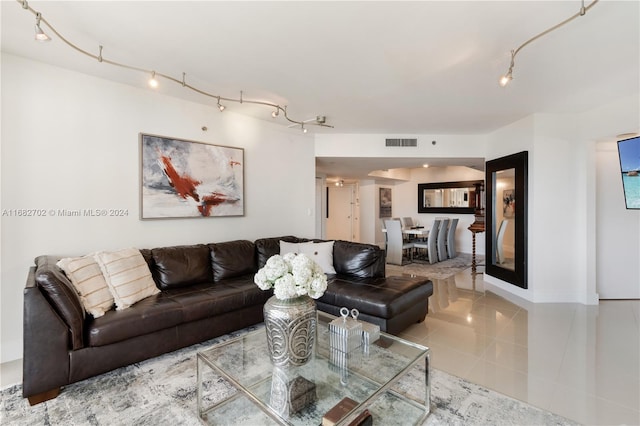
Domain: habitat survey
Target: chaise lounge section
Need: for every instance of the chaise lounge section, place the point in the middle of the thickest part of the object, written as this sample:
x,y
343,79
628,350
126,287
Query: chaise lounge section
x,y
205,290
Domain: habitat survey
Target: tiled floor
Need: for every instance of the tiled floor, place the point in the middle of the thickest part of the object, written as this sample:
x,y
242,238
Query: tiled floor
x,y
581,362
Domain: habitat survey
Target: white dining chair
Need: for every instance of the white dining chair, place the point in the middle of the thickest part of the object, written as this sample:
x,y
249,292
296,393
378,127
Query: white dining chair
x,y
442,239
395,243
430,244
451,239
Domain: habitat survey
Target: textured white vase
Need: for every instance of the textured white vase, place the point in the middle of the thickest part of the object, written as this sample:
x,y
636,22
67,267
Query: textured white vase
x,y
291,330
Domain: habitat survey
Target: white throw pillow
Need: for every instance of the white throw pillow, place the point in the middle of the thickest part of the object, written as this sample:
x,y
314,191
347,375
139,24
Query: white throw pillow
x,y
322,253
127,275
286,247
87,278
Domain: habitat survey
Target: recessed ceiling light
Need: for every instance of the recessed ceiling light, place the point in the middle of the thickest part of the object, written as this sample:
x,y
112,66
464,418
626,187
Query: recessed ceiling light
x,y
425,165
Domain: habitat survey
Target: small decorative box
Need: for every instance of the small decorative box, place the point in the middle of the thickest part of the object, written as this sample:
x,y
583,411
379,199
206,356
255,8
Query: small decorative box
x,y
370,333
345,334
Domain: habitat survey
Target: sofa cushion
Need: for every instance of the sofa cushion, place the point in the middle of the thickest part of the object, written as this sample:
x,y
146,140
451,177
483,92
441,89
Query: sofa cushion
x,y
180,266
321,253
206,300
127,275
147,316
267,247
86,276
358,260
59,291
380,297
232,259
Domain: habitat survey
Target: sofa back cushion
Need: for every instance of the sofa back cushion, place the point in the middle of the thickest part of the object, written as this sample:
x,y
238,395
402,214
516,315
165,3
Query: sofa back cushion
x,y
59,291
358,260
180,266
267,247
233,259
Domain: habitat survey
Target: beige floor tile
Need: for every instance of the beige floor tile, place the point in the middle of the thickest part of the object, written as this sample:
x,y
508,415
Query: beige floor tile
x,y
588,409
462,338
521,386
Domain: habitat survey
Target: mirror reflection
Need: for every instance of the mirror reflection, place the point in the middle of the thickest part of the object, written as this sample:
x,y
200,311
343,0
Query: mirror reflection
x,y
447,197
451,197
505,219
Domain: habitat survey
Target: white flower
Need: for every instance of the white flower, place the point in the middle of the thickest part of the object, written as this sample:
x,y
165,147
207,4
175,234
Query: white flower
x,y
292,275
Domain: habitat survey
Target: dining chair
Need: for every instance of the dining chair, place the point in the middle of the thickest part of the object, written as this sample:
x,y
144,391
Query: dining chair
x,y
430,244
451,239
442,239
407,222
395,243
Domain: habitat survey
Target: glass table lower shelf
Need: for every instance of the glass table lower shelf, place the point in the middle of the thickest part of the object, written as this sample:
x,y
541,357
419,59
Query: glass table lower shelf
x,y
238,384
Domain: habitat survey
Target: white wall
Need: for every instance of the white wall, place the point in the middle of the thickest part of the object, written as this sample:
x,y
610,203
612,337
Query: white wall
x,y
373,145
70,141
563,247
405,202
405,194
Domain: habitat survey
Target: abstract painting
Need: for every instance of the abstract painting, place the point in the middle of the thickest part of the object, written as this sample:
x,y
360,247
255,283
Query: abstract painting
x,y
183,179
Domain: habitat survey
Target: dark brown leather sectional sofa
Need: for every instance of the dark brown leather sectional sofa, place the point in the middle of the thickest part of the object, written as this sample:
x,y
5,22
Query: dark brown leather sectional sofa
x,y
207,290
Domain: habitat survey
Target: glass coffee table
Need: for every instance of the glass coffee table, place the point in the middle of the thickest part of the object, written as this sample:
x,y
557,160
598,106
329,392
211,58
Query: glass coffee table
x,y
255,392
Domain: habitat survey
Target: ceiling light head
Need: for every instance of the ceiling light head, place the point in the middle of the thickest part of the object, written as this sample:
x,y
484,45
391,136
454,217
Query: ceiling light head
x,y
275,113
425,165
220,106
153,82
40,35
505,79
304,129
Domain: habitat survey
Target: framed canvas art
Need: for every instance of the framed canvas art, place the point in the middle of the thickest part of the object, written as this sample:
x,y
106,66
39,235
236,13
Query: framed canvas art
x,y
385,202
508,202
186,179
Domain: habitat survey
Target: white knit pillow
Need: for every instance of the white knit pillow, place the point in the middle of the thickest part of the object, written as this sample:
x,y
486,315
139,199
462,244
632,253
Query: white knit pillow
x,y
127,275
86,276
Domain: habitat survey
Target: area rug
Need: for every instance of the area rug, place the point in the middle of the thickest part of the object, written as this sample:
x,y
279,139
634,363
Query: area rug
x,y
436,271
162,391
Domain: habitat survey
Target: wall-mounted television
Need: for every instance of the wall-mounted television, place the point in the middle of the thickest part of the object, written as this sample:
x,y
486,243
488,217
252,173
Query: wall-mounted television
x,y
629,153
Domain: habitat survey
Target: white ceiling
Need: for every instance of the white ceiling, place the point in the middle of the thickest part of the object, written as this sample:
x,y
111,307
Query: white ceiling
x,y
389,67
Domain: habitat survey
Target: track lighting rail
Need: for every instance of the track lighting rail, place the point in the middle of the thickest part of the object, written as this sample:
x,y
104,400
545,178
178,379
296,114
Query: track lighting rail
x,y
41,36
505,79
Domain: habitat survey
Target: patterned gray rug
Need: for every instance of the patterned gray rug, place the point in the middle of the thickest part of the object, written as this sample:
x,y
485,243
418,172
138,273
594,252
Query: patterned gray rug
x,y
435,271
162,391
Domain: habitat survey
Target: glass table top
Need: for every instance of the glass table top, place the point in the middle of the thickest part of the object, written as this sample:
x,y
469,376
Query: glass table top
x,y
303,395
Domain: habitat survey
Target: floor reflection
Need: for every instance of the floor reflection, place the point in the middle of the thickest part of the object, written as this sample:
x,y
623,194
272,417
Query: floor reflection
x,y
577,361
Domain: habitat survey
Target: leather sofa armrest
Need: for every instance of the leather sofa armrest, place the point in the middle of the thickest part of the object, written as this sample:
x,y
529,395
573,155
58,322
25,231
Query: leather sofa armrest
x,y
46,339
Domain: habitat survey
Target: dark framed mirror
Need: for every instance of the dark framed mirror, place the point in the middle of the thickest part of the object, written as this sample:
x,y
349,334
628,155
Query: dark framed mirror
x,y
506,218
448,197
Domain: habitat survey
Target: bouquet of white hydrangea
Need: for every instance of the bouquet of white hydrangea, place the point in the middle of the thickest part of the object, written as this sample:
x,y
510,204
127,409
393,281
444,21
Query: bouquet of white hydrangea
x,y
292,275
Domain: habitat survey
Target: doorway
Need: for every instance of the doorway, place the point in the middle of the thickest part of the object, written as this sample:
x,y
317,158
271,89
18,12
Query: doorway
x,y
342,213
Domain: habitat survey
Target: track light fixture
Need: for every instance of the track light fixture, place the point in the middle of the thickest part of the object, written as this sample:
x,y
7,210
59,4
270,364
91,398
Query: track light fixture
x,y
41,36
153,82
506,78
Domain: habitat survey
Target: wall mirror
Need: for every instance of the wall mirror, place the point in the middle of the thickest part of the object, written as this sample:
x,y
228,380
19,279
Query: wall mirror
x,y
506,218
447,197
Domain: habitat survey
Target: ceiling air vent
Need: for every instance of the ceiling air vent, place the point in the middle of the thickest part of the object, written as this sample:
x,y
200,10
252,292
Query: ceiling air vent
x,y
401,142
